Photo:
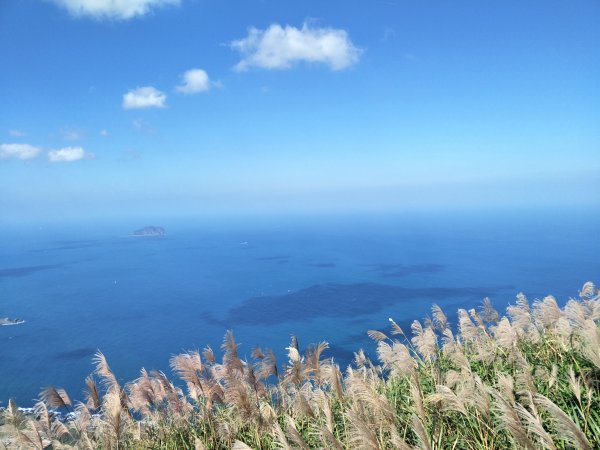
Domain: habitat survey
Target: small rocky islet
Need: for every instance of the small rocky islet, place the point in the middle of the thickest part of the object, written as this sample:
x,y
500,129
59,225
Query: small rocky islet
x,y
149,231
4,321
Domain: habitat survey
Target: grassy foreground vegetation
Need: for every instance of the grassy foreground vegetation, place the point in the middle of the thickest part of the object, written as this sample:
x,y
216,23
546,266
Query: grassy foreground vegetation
x,y
529,380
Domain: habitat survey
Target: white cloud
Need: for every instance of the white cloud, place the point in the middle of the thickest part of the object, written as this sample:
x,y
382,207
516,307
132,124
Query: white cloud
x,y
112,9
280,48
194,81
104,133
68,154
17,133
144,97
18,151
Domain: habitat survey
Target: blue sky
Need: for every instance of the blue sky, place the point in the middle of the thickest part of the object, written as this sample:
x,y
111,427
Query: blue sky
x,y
167,107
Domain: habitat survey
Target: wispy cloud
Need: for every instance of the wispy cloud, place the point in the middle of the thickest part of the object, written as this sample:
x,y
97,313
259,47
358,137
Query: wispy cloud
x,y
388,34
141,126
280,47
17,133
68,134
112,9
104,132
18,151
144,97
69,154
194,81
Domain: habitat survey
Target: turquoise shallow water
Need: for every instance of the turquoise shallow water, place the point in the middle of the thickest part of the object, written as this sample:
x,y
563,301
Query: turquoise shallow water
x,y
89,286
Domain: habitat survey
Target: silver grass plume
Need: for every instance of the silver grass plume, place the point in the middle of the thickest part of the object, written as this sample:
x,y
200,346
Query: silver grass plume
x,y
55,397
520,314
294,434
31,436
505,334
576,313
329,439
231,359
377,335
510,421
209,355
425,341
590,335
477,318
333,377
553,376
301,405
104,372
362,435
267,364
189,367
589,291
447,399
313,360
360,359
546,312
92,396
574,384
396,330
419,429
280,438
568,429
42,416
440,321
396,358
533,425
506,386
468,330
417,398
364,392
116,418
487,311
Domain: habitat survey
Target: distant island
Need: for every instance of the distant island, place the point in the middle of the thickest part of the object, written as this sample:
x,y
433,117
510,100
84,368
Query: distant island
x,y
149,231
6,321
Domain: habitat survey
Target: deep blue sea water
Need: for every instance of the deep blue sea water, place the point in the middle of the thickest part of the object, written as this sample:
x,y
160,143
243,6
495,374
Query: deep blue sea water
x,y
88,286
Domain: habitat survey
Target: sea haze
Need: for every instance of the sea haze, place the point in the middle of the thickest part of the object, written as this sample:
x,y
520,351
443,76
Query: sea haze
x,y
142,299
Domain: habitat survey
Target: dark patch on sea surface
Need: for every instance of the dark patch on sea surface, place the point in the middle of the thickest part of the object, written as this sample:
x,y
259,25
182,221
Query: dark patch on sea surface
x,y
78,353
340,355
70,245
324,265
359,339
129,316
341,300
276,258
402,270
14,272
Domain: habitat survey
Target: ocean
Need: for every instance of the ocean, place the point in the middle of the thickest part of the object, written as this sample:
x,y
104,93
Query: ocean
x,y
88,286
